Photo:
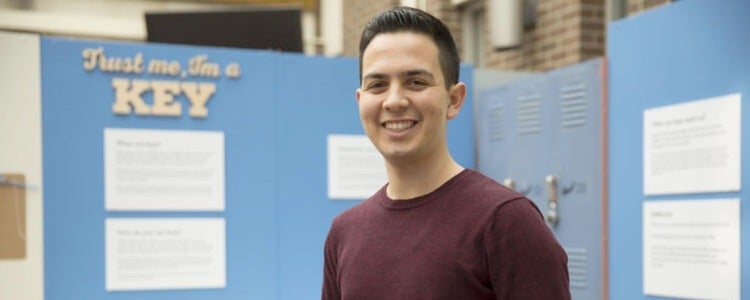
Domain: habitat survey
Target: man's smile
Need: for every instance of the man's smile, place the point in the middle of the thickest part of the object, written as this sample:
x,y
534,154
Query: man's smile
x,y
399,126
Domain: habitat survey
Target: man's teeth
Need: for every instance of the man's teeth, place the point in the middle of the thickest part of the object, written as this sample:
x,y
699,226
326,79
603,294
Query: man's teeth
x,y
399,125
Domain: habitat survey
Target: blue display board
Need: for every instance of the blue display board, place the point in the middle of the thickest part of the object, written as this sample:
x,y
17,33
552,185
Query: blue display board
x,y
684,51
275,117
77,106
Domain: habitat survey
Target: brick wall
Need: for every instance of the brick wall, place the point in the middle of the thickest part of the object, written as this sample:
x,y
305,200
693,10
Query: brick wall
x,y
451,17
356,15
566,31
636,6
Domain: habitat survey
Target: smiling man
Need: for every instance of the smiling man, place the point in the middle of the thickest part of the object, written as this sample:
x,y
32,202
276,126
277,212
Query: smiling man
x,y
436,230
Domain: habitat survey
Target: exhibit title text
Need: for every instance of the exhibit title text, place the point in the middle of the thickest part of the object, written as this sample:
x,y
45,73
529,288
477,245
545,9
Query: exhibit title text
x,y
129,93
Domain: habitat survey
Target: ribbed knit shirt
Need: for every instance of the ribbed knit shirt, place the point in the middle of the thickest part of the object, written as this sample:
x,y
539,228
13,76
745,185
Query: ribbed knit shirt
x,y
471,238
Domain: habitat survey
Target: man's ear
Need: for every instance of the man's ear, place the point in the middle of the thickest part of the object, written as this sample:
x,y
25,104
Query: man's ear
x,y
457,94
358,93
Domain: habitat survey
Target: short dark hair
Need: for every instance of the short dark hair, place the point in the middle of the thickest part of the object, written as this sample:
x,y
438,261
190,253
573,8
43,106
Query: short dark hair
x,y
407,19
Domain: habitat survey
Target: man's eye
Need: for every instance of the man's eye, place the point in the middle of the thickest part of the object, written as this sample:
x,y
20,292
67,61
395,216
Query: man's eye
x,y
375,85
417,82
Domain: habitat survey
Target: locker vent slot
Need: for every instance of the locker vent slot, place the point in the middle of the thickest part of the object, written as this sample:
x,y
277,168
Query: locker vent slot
x,y
529,115
497,124
577,266
574,106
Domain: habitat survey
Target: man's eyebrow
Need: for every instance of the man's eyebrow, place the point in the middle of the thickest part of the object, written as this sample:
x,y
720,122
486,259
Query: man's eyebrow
x,y
409,73
418,72
374,76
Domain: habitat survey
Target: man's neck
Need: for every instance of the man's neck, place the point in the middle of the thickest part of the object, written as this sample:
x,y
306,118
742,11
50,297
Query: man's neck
x,y
408,180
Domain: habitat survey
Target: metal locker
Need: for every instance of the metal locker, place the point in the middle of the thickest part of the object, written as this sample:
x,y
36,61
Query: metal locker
x,y
578,126
551,134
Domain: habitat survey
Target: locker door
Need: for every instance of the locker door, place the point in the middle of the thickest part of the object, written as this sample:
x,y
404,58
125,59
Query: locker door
x,y
576,131
493,125
526,159
513,136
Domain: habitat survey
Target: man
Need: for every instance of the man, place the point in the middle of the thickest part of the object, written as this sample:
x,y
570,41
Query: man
x,y
436,230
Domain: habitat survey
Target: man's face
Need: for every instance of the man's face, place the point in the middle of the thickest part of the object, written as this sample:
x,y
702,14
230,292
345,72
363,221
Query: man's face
x,y
404,105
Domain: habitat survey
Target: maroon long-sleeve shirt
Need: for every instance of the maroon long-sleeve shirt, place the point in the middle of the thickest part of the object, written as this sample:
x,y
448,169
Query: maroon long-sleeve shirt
x,y
471,238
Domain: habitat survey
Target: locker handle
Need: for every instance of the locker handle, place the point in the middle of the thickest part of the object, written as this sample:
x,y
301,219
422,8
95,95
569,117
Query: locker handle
x,y
510,183
551,216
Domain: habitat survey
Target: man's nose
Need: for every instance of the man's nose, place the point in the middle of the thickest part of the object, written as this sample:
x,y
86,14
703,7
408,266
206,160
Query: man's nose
x,y
396,99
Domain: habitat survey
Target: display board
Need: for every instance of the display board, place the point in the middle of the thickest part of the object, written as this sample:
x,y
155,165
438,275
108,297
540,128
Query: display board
x,y
666,66
78,105
152,120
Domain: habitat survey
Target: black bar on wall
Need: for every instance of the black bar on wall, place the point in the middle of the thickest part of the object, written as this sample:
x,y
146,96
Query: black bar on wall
x,y
267,29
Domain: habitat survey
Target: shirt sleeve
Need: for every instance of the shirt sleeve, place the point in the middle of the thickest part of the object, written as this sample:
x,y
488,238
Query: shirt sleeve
x,y
525,259
330,282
